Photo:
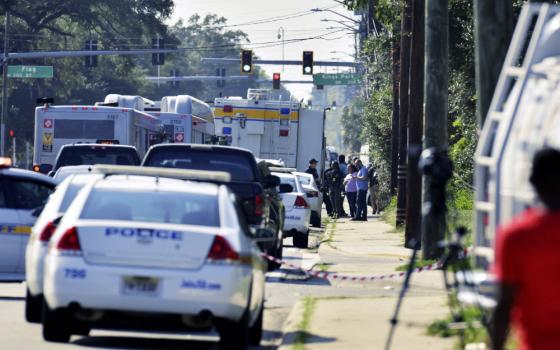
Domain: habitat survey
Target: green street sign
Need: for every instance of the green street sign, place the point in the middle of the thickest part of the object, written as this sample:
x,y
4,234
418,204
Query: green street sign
x,y
30,71
337,79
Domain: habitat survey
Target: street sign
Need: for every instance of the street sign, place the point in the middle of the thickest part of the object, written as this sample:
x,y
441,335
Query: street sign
x,y
337,79
30,71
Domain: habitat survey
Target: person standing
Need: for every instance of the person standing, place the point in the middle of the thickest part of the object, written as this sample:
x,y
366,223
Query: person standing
x,y
527,264
344,170
334,181
373,183
362,185
312,169
351,188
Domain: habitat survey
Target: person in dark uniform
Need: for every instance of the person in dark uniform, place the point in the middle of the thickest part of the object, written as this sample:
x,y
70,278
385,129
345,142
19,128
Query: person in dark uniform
x,y
312,169
334,179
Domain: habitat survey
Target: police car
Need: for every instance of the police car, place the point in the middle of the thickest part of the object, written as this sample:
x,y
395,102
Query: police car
x,y
22,194
157,254
298,212
41,233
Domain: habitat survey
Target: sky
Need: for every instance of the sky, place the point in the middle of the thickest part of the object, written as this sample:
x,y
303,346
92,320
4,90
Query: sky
x,y
302,23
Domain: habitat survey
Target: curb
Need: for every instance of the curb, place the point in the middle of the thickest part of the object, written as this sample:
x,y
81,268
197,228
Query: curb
x,y
290,328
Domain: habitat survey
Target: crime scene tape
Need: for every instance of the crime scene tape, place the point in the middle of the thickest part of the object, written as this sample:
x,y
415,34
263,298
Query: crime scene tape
x,y
335,276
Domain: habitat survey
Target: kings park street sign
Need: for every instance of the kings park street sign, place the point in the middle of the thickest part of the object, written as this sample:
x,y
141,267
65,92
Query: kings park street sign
x,y
337,79
30,71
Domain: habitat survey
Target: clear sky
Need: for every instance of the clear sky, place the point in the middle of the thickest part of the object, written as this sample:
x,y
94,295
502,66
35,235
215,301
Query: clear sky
x,y
301,23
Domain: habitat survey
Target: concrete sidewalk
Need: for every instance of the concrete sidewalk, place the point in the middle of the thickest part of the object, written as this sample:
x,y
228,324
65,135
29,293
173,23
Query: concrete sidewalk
x,y
358,320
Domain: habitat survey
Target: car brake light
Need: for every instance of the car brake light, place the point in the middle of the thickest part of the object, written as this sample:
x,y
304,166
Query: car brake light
x,y
312,194
221,250
47,232
69,241
258,205
300,203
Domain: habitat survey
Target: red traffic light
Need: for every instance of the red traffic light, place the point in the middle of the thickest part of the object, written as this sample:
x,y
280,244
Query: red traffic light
x,y
11,133
276,81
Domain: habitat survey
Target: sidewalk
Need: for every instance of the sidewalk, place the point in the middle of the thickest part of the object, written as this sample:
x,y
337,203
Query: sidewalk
x,y
359,319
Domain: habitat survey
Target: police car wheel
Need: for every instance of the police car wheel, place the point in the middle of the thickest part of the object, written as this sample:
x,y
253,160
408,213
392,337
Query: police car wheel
x,y
315,220
234,335
55,324
256,330
33,307
301,239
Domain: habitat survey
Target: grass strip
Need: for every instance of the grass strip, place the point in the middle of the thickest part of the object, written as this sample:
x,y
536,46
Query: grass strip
x,y
303,327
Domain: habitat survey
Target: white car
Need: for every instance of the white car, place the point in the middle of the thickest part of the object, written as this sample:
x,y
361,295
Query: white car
x,y
313,195
22,194
156,254
41,233
298,212
65,171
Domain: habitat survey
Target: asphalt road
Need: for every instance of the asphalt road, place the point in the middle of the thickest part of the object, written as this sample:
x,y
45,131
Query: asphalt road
x,y
281,294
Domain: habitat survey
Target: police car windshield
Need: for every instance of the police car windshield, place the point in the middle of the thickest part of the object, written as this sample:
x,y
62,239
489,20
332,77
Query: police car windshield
x,y
161,207
96,154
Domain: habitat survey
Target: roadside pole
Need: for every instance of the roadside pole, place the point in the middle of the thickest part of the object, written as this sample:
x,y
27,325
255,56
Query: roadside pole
x,y
14,152
4,115
415,125
493,28
395,115
406,27
436,101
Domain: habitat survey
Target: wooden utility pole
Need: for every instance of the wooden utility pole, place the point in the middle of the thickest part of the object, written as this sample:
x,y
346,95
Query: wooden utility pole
x,y
395,116
436,97
406,27
415,125
493,28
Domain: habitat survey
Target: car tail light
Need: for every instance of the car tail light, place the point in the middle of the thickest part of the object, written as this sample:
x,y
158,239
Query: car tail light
x,y
312,194
258,205
221,251
69,242
47,232
300,203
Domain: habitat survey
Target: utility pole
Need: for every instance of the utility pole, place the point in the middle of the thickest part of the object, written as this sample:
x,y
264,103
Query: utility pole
x,y
415,125
436,97
406,27
395,115
4,115
493,28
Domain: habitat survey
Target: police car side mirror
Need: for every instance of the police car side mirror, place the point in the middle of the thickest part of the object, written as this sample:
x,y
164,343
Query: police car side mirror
x,y
35,212
263,235
286,188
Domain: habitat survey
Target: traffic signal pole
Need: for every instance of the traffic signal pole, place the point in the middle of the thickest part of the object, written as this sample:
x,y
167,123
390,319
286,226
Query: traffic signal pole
x,y
4,87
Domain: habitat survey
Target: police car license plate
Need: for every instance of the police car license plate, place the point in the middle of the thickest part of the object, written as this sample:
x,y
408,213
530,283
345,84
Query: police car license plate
x,y
140,286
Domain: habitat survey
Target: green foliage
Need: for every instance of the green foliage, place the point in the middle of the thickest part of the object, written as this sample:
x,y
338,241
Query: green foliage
x,y
473,333
352,126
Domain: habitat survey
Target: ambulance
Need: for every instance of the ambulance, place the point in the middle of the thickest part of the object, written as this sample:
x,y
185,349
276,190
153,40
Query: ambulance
x,y
271,129
56,126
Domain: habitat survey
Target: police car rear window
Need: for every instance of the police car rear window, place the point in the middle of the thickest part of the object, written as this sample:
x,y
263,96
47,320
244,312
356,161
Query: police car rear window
x,y
159,207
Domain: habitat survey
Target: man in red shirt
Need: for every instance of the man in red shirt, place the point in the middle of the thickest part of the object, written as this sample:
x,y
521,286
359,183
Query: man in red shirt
x,y
528,265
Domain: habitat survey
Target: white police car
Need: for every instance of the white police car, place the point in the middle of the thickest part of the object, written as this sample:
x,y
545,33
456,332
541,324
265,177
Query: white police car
x,y
41,233
21,191
298,212
158,254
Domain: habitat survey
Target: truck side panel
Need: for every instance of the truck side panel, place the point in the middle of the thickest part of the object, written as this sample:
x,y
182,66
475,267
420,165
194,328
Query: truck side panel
x,y
310,134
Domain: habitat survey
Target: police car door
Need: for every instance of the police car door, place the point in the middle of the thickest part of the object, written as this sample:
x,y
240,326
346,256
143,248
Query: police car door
x,y
9,242
25,195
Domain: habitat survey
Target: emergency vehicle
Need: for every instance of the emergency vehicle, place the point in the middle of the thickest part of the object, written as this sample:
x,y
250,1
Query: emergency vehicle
x,y
56,126
185,119
271,129
524,117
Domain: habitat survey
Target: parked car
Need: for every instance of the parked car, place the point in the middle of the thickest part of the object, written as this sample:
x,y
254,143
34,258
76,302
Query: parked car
x,y
298,212
155,254
91,154
22,194
247,181
41,234
313,195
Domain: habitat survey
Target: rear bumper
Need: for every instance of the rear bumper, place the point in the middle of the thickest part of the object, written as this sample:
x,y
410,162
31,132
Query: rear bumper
x,y
297,220
222,290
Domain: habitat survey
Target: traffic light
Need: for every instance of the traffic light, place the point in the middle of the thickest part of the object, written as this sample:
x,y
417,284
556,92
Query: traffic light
x,y
158,59
307,62
91,61
276,81
246,61
12,133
